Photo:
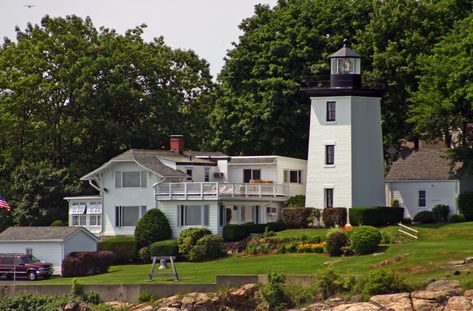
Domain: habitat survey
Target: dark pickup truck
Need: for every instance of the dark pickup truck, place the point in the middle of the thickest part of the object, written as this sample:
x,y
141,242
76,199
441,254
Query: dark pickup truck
x,y
22,265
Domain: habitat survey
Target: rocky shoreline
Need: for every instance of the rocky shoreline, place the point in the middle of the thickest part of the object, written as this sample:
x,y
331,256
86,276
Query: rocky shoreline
x,y
442,295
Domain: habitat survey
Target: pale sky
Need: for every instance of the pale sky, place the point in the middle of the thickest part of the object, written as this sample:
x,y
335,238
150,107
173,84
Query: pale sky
x,y
206,26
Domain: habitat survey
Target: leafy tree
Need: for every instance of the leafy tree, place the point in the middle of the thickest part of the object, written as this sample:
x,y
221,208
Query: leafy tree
x,y
152,227
72,97
443,104
259,107
398,32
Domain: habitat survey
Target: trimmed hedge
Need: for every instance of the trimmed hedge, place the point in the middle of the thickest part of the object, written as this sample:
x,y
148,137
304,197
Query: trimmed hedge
x,y
465,205
164,248
86,263
296,217
334,216
124,248
233,232
455,218
208,247
375,215
424,217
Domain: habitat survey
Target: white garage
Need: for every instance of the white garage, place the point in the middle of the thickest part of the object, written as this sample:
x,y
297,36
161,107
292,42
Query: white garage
x,y
51,244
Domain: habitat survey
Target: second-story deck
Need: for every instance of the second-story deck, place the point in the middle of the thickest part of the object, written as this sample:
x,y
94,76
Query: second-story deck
x,y
220,191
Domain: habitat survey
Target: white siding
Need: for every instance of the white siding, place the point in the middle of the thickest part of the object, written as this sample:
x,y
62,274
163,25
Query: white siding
x,y
437,192
79,242
124,196
285,163
235,172
357,176
45,251
169,208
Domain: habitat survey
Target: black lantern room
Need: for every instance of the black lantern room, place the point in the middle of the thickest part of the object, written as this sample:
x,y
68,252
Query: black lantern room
x,y
345,68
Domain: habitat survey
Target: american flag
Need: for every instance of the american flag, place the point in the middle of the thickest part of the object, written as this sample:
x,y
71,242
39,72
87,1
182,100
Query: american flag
x,y
4,204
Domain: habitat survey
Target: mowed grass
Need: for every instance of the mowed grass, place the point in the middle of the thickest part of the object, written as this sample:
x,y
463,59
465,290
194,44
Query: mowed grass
x,y
417,260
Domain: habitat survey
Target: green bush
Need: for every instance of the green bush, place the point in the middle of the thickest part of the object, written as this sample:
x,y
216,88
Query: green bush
x,y
424,217
144,254
164,248
188,239
276,226
234,233
124,248
364,239
336,239
152,227
57,223
29,302
329,283
440,213
295,201
296,217
145,296
457,218
465,205
386,237
379,282
375,215
92,297
251,227
208,247
273,292
335,216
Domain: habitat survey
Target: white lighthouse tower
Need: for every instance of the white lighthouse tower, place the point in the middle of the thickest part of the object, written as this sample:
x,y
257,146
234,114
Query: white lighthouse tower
x,y
345,160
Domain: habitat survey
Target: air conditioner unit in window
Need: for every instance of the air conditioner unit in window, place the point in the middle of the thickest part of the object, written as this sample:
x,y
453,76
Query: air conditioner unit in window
x,y
218,175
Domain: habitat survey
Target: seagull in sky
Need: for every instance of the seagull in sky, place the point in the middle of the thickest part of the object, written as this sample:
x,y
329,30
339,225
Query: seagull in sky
x,y
29,6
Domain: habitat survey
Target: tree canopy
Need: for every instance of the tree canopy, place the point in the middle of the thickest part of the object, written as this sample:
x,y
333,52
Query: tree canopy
x,y
75,96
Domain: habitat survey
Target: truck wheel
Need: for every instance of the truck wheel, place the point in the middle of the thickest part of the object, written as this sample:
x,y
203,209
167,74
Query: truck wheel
x,y
32,275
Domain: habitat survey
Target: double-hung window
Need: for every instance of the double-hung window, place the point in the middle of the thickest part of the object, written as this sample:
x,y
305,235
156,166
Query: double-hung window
x,y
422,198
189,174
293,176
251,174
207,174
330,112
128,216
328,197
329,154
130,179
193,215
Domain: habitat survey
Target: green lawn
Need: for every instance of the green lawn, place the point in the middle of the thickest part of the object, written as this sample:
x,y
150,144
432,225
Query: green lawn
x,y
421,259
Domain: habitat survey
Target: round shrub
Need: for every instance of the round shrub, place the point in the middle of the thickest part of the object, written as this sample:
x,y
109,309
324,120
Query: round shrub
x,y
364,239
164,248
152,227
424,217
208,247
440,213
57,223
297,217
188,239
336,239
457,218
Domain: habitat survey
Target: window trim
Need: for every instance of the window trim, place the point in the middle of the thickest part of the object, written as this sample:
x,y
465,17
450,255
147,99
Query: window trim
x,y
252,174
206,174
119,178
287,176
142,209
331,111
328,199
330,154
424,198
204,215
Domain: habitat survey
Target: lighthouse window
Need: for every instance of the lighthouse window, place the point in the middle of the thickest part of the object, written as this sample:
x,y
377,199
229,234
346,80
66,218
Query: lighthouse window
x,y
328,198
330,111
329,154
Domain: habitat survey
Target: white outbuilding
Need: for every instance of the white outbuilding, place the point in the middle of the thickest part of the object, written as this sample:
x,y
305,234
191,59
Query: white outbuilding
x,y
50,244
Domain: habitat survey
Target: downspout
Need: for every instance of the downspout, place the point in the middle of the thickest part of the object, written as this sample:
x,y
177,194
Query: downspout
x,y
101,191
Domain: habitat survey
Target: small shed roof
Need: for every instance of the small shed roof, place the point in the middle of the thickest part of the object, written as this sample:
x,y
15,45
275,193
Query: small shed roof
x,y
41,234
425,164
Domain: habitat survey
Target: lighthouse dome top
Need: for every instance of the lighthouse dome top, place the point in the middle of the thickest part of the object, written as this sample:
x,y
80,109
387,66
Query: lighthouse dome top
x,y
345,52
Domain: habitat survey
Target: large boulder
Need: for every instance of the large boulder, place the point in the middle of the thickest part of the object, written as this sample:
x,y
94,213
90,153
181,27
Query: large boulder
x,y
359,306
243,296
459,303
452,287
396,302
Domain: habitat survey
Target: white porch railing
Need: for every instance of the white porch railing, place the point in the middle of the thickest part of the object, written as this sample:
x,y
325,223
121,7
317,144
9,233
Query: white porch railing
x,y
215,190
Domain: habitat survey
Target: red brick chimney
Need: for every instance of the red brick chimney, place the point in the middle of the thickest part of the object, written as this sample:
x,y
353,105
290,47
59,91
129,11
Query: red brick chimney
x,y
177,143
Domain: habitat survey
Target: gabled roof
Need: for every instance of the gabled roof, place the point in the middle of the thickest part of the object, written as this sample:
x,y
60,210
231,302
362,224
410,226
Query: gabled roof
x,y
40,234
425,164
